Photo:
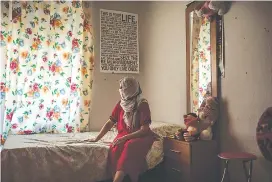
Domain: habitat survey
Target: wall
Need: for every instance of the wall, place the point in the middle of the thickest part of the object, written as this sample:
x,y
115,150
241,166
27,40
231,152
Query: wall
x,y
247,87
163,60
105,86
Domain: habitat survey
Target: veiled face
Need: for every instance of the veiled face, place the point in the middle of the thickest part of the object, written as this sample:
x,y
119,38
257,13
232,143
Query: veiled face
x,y
128,88
121,92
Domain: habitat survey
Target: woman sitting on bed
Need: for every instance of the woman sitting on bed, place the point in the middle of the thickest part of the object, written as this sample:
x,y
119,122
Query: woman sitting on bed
x,y
131,115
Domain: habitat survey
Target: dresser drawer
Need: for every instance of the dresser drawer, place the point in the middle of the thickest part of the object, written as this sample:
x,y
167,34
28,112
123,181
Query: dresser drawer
x,y
173,175
173,164
176,168
177,150
190,161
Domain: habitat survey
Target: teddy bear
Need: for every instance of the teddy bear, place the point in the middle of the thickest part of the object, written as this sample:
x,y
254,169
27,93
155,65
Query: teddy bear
x,y
210,8
200,126
209,110
208,114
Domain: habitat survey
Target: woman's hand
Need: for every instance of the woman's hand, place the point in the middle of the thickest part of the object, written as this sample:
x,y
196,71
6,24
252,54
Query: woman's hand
x,y
120,140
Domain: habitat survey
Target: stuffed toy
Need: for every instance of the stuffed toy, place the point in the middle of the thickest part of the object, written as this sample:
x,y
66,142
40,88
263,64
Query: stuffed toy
x,y
201,125
203,10
191,121
180,133
190,129
210,8
206,93
208,114
191,132
221,7
209,111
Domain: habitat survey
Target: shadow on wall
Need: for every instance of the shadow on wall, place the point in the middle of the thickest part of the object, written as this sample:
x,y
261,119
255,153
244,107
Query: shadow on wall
x,y
230,143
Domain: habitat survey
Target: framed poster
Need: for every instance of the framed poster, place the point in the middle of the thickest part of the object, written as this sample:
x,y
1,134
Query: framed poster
x,y
119,46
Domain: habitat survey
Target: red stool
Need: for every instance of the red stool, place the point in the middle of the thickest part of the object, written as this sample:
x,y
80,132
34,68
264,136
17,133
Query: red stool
x,y
242,156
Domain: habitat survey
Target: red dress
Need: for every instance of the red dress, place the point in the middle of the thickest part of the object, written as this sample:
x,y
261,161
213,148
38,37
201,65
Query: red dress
x,y
130,157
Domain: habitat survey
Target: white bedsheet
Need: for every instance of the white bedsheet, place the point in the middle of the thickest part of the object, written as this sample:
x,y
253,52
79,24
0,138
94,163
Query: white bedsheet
x,y
66,157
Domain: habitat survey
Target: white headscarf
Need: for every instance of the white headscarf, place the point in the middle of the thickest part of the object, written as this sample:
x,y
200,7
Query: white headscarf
x,y
130,92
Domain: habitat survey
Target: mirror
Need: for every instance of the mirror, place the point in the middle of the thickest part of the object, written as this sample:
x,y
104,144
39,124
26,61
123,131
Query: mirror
x,y
200,57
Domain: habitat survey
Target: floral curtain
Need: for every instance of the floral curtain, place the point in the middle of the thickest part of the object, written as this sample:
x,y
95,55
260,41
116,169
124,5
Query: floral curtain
x,y
195,31
201,60
47,80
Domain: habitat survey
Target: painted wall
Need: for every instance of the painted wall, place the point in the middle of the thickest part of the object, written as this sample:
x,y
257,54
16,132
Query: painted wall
x,y
162,61
247,87
105,86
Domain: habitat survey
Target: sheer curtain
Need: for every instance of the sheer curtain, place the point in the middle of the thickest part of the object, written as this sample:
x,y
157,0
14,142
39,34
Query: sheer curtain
x,y
46,84
200,59
195,32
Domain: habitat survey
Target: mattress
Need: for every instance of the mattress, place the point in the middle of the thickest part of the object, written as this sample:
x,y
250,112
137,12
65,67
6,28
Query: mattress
x,y
67,157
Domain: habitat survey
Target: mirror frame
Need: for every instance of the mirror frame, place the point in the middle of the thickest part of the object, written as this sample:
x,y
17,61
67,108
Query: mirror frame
x,y
214,69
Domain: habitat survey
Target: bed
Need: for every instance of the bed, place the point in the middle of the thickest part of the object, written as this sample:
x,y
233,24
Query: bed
x,y
66,157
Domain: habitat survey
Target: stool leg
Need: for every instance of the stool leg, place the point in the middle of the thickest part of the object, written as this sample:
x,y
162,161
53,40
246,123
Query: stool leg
x,y
245,169
226,171
250,171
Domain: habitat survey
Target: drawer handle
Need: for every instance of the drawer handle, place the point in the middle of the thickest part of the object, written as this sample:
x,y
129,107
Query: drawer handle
x,y
175,151
176,170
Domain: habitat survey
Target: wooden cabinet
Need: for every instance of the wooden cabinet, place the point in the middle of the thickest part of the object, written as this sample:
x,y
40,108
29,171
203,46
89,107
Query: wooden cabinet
x,y
190,161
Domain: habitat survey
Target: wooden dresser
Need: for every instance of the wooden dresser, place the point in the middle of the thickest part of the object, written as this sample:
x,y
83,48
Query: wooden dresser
x,y
190,161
